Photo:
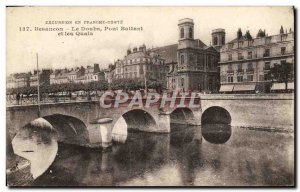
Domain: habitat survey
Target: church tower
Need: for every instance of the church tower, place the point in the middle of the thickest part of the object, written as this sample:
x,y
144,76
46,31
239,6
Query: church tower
x,y
186,33
218,38
185,43
185,55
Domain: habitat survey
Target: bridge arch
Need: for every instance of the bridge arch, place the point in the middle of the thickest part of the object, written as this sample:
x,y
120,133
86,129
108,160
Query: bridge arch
x,y
215,115
139,119
182,115
136,119
70,129
216,125
180,131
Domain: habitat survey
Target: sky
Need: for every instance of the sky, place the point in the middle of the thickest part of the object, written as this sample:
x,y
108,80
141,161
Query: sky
x,y
160,28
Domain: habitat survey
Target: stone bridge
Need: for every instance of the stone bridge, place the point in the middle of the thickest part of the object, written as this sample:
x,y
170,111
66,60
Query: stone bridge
x,y
88,124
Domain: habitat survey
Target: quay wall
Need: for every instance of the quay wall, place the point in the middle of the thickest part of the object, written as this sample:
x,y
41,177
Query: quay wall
x,y
266,110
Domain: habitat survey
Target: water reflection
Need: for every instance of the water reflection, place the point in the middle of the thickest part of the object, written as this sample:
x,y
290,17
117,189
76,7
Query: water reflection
x,y
179,158
38,146
182,134
216,133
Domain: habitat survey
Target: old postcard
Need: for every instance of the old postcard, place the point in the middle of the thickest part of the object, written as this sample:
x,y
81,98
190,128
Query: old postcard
x,y
150,96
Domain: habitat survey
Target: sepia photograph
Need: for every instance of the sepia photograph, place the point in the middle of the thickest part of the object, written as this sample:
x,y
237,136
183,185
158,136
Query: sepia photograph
x,y
150,96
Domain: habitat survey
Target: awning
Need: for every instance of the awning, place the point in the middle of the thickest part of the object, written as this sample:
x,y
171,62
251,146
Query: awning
x,y
291,85
226,88
243,87
278,86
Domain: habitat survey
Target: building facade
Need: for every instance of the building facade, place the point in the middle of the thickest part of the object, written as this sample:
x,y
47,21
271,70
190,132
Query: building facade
x,y
197,64
245,61
18,80
140,63
78,75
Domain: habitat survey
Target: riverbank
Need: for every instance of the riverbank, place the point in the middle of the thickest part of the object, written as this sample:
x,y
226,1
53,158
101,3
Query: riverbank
x,y
18,171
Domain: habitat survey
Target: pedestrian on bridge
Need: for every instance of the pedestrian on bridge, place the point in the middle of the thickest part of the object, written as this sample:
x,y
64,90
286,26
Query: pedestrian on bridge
x,y
18,98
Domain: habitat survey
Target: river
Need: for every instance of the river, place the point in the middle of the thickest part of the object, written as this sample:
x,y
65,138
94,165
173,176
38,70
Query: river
x,y
225,156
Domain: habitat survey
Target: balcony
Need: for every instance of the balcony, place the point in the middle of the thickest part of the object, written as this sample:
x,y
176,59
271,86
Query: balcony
x,y
266,68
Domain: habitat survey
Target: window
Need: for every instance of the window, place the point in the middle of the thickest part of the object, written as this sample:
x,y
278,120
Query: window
x,y
267,53
267,66
266,77
240,78
230,57
250,66
191,32
250,55
230,46
215,41
199,61
283,50
223,40
230,79
240,69
250,77
182,59
181,33
182,82
191,59
250,43
208,61
229,69
240,56
283,37
240,43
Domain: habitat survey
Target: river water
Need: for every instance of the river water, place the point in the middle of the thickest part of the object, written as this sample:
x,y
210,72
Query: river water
x,y
225,156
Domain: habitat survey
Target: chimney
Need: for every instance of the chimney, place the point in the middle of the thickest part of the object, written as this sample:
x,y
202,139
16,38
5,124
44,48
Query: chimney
x,y
142,48
239,33
128,51
134,49
96,68
281,30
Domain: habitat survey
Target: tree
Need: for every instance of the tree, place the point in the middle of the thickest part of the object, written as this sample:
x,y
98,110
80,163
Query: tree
x,y
281,73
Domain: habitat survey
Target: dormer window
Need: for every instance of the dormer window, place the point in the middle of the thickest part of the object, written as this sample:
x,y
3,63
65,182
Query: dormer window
x,y
250,42
240,44
268,39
